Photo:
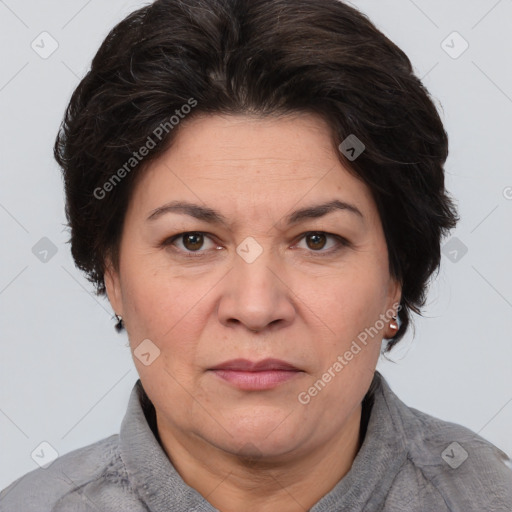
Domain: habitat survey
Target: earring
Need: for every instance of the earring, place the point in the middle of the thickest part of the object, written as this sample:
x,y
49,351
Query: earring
x,y
394,324
119,325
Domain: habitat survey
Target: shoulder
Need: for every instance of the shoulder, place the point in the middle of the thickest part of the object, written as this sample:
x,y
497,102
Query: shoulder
x,y
465,471
84,475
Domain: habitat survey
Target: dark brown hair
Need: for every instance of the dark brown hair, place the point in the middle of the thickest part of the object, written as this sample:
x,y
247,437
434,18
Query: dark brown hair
x,y
265,57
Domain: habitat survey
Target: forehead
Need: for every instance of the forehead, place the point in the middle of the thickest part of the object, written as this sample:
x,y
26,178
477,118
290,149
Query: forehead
x,y
241,163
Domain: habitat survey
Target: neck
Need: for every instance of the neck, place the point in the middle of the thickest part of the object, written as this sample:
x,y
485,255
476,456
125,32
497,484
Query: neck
x,y
291,483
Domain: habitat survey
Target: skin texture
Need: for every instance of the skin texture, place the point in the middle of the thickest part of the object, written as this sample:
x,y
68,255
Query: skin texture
x,y
298,301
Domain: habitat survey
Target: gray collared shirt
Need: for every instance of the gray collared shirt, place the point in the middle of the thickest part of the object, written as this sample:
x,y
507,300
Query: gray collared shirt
x,y
409,461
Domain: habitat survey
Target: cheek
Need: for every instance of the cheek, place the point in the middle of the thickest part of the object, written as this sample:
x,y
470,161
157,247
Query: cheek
x,y
160,302
169,315
347,302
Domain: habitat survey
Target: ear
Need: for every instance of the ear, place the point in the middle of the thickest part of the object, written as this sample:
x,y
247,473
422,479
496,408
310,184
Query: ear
x,y
113,287
395,293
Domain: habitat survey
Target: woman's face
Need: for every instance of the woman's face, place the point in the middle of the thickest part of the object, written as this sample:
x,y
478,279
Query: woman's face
x,y
270,275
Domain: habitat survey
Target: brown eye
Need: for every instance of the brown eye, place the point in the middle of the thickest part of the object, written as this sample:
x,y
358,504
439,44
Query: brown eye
x,y
320,243
193,241
190,244
316,241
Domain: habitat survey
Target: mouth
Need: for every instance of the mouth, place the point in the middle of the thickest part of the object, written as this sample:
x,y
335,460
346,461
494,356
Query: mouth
x,y
251,375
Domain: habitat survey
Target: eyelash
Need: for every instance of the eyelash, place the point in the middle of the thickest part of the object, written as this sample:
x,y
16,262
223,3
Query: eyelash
x,y
343,242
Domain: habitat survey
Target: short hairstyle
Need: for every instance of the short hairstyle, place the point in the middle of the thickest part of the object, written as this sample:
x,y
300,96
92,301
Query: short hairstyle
x,y
180,58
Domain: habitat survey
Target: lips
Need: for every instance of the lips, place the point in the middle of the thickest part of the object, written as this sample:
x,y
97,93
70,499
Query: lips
x,y
256,376
244,365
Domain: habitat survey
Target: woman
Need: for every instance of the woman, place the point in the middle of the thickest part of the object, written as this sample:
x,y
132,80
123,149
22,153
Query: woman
x,y
258,187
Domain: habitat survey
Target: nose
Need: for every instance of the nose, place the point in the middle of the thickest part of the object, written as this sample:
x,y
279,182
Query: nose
x,y
255,295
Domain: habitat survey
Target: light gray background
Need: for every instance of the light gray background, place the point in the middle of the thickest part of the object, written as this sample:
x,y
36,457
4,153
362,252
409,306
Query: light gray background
x,y
65,374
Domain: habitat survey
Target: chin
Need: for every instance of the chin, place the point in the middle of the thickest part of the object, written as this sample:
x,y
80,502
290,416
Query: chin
x,y
258,436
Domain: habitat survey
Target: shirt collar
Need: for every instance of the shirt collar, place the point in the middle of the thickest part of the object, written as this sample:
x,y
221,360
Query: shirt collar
x,y
367,483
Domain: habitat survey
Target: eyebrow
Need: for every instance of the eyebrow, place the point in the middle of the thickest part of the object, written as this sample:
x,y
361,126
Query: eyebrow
x,y
214,217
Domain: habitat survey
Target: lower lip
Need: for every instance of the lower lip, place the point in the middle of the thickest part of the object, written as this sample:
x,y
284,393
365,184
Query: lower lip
x,y
256,380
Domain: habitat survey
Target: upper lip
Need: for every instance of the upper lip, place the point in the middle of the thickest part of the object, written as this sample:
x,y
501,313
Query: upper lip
x,y
244,365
